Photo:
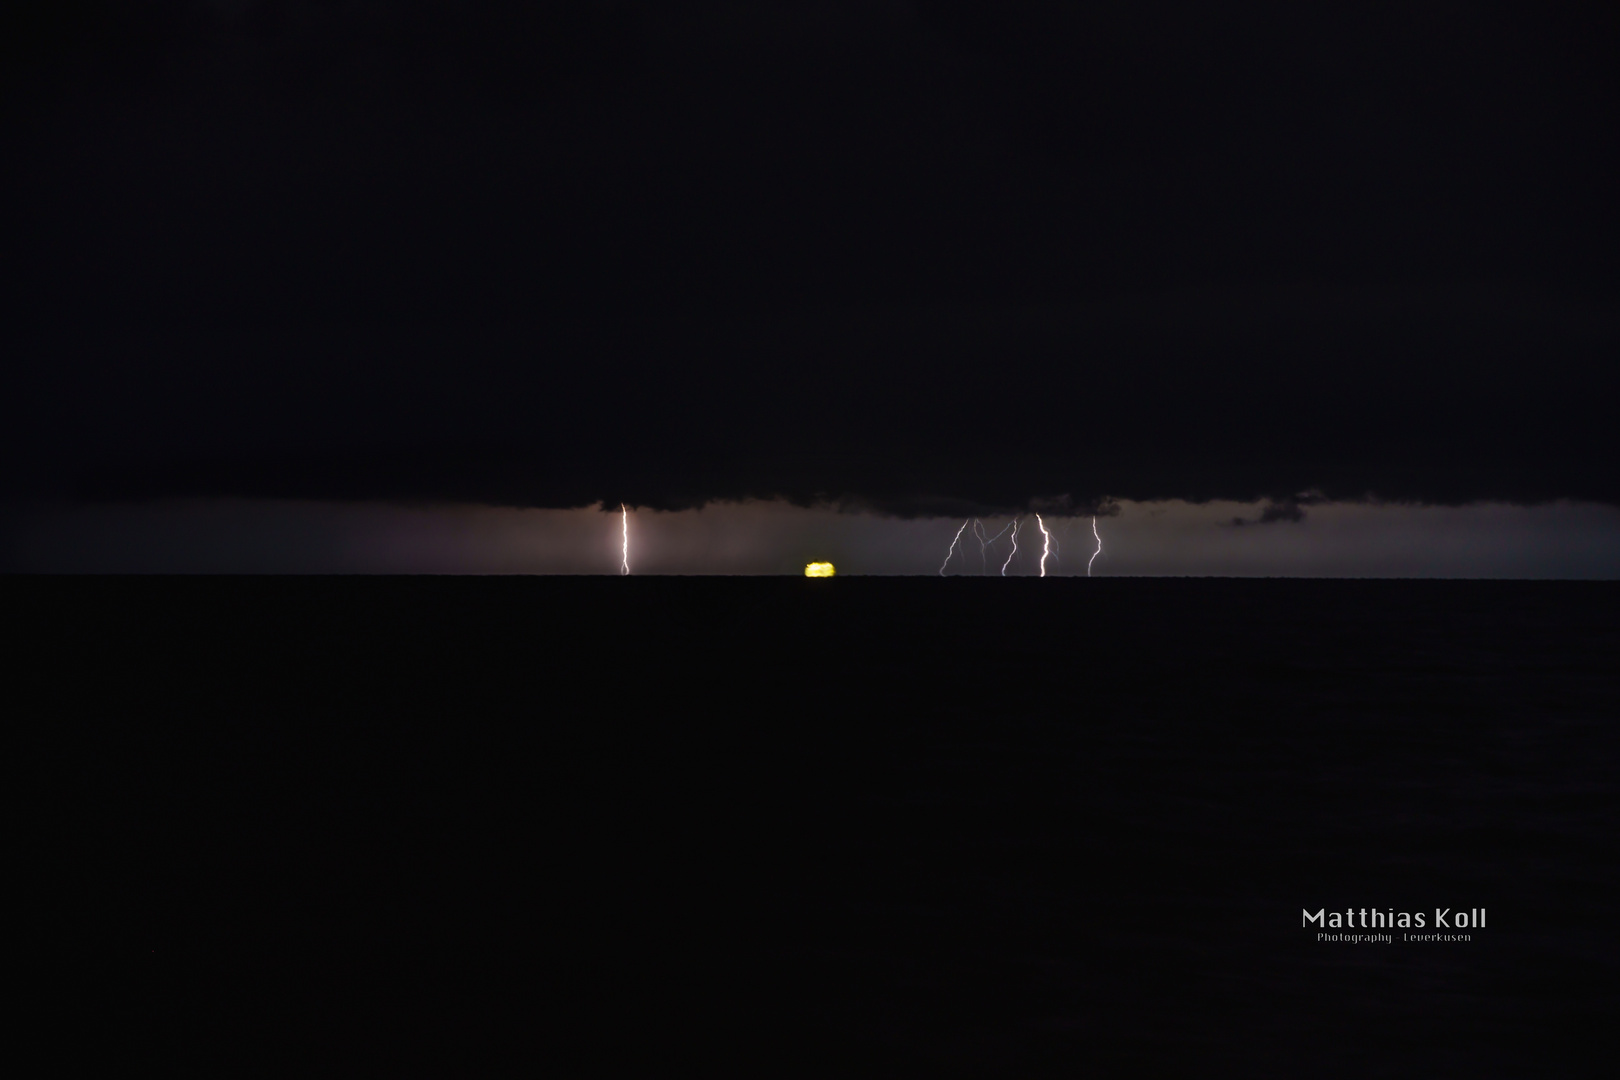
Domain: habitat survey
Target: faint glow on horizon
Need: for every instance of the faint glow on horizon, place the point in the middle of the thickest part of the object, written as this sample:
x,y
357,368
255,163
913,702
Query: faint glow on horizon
x,y
1149,539
819,569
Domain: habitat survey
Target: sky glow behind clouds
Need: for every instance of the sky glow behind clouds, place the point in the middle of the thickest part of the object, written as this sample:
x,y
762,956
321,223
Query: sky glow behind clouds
x,y
1562,540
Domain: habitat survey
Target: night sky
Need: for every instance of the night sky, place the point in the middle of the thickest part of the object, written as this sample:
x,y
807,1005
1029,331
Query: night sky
x,y
502,366
919,260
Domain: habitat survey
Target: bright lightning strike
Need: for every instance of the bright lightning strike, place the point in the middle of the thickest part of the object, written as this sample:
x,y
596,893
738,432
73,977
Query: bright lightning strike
x,y
1098,552
1014,527
952,550
1046,548
624,550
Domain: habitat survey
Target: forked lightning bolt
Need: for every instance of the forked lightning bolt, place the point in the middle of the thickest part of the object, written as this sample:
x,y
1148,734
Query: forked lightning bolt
x,y
624,541
1098,552
1046,549
952,550
1014,527
985,540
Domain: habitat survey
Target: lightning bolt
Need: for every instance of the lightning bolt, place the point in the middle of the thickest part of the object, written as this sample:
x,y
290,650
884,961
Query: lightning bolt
x,y
1046,548
624,550
985,540
1098,552
1014,527
952,550
1000,534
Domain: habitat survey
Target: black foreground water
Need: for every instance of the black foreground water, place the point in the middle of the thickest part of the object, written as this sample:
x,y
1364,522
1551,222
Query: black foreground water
x,y
436,826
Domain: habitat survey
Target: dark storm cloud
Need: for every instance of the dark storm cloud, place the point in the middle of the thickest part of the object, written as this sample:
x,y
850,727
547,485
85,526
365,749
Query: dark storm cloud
x,y
912,257
1290,510
1274,512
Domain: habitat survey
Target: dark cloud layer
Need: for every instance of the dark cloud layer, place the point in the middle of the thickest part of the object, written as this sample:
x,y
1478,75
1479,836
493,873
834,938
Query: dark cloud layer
x,y
910,256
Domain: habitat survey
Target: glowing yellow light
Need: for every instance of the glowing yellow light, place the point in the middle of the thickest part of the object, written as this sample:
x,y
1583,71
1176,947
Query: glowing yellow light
x,y
818,569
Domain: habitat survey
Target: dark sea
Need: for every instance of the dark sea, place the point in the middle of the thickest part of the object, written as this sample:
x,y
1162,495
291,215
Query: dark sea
x,y
765,827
